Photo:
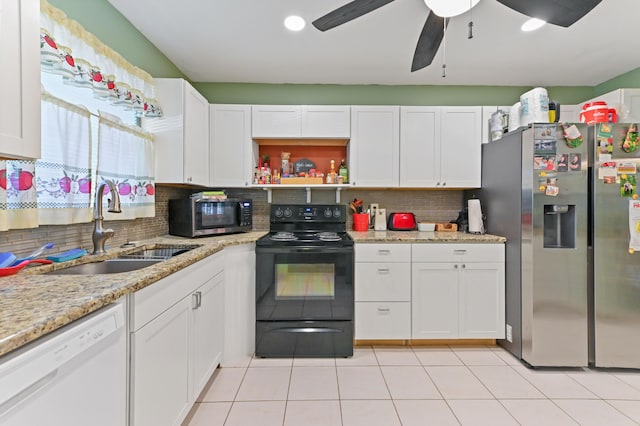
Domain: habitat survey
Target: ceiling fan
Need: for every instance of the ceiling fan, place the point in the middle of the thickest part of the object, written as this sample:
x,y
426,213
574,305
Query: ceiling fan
x,y
558,12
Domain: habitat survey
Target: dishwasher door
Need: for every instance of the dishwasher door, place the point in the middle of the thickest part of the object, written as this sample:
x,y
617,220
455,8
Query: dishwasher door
x,y
74,376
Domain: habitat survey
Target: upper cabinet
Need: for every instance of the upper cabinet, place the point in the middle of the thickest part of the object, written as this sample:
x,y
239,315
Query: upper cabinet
x,y
300,121
440,147
230,145
20,79
181,135
374,150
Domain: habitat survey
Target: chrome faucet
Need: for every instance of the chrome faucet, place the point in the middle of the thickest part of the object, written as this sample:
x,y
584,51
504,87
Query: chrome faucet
x,y
100,235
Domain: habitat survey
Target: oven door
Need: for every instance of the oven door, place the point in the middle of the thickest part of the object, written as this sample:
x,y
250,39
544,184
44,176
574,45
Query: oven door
x,y
304,283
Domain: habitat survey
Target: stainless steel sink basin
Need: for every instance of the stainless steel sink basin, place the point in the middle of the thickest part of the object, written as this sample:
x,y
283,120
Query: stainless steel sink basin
x,y
161,253
111,266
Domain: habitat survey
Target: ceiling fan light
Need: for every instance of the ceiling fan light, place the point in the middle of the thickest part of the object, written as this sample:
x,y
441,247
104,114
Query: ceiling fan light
x,y
294,23
532,24
449,8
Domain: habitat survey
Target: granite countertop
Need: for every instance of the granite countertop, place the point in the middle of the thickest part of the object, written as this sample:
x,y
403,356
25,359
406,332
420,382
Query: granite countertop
x,y
33,304
423,237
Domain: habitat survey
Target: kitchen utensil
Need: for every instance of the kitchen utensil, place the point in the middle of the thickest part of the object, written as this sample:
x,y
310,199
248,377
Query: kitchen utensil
x,y
67,255
598,112
401,221
380,221
373,210
37,252
6,259
361,222
16,268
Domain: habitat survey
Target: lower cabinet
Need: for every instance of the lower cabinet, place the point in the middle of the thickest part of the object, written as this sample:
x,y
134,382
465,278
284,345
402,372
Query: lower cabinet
x,y
176,342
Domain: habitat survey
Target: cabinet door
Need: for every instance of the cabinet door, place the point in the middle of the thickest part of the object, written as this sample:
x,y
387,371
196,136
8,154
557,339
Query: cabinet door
x,y
20,79
481,292
160,368
420,147
326,121
382,320
275,121
460,146
230,145
208,331
375,146
570,113
196,137
434,301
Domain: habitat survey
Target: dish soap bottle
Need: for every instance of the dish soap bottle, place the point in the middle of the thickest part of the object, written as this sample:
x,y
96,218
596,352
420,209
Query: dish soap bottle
x,y
344,172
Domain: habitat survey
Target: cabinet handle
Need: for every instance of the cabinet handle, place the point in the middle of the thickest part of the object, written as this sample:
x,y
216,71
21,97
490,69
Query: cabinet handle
x,y
385,251
444,183
383,270
383,309
196,300
464,266
455,266
459,251
437,183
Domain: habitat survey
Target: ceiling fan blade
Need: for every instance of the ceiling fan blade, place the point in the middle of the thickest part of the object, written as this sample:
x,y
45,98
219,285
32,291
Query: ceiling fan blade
x,y
429,42
558,12
346,13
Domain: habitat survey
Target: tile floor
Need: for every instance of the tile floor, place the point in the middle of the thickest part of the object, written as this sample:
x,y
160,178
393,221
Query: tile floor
x,y
423,386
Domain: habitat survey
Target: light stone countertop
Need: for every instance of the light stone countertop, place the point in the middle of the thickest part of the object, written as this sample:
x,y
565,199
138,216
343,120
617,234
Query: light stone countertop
x,y
33,304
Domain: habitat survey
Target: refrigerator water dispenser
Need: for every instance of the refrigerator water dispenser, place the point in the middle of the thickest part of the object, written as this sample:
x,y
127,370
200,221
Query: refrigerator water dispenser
x,y
559,226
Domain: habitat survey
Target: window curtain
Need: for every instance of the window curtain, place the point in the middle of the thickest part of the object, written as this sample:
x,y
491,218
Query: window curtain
x,y
125,156
63,183
17,195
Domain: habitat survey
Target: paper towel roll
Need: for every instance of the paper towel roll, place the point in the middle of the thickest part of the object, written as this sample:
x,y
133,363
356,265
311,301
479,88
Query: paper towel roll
x,y
476,224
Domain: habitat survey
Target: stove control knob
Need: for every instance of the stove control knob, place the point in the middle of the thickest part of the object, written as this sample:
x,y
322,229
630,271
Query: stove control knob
x,y
278,212
287,212
327,212
337,213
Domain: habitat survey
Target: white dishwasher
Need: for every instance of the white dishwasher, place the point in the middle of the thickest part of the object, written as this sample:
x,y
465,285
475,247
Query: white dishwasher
x,y
75,376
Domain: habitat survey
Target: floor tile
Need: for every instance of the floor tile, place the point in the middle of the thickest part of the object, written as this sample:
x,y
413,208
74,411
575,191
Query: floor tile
x,y
536,412
314,362
630,378
424,413
271,362
630,408
264,384
458,383
361,356
477,356
593,412
504,383
362,383
309,383
481,413
506,356
437,356
605,385
263,413
369,413
225,385
554,384
209,414
312,413
408,382
395,356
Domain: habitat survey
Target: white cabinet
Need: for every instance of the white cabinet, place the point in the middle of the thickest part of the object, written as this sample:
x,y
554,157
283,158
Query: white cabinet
x,y
181,145
230,145
457,291
177,332
20,79
570,113
382,291
440,147
374,150
240,303
300,121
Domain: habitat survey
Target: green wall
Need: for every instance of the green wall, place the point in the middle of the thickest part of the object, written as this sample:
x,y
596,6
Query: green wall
x,y
103,20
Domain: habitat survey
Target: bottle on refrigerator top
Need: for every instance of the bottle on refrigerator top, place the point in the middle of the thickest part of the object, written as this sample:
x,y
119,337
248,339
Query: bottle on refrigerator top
x,y
344,172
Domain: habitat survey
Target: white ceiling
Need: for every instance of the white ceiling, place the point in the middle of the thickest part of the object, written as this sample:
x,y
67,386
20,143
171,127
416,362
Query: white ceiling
x,y
245,41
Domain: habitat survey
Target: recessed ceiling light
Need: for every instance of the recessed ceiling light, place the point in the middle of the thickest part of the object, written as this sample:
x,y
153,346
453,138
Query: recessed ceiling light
x,y
294,23
532,24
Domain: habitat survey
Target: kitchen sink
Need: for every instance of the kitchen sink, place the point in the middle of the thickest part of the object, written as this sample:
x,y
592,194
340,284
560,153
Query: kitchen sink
x,y
159,253
111,266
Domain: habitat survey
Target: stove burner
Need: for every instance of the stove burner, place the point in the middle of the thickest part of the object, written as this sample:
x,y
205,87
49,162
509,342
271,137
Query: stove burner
x,y
328,236
283,236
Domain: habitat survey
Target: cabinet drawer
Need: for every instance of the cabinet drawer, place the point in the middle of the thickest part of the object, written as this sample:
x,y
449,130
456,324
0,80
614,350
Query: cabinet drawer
x,y
457,252
389,282
383,320
383,252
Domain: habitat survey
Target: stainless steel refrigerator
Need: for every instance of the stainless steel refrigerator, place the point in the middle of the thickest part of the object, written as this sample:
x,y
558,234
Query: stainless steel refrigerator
x,y
531,196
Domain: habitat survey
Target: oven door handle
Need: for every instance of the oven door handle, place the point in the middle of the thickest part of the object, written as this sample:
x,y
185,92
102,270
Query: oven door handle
x,y
320,250
308,330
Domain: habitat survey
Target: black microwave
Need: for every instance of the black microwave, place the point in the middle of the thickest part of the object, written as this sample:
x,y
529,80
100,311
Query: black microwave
x,y
190,217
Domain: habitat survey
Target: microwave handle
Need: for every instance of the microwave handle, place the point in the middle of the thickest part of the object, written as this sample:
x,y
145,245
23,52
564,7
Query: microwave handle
x,y
239,213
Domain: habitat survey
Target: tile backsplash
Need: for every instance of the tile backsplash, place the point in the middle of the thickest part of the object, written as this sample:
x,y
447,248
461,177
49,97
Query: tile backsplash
x,y
428,205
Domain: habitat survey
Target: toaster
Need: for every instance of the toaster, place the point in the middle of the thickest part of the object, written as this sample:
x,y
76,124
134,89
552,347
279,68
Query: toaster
x,y
402,222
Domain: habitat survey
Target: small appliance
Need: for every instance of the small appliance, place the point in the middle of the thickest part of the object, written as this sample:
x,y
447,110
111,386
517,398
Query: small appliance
x,y
598,112
191,217
402,221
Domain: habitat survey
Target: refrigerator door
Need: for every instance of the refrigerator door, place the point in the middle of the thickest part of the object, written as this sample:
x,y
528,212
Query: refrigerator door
x,y
616,271
554,250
